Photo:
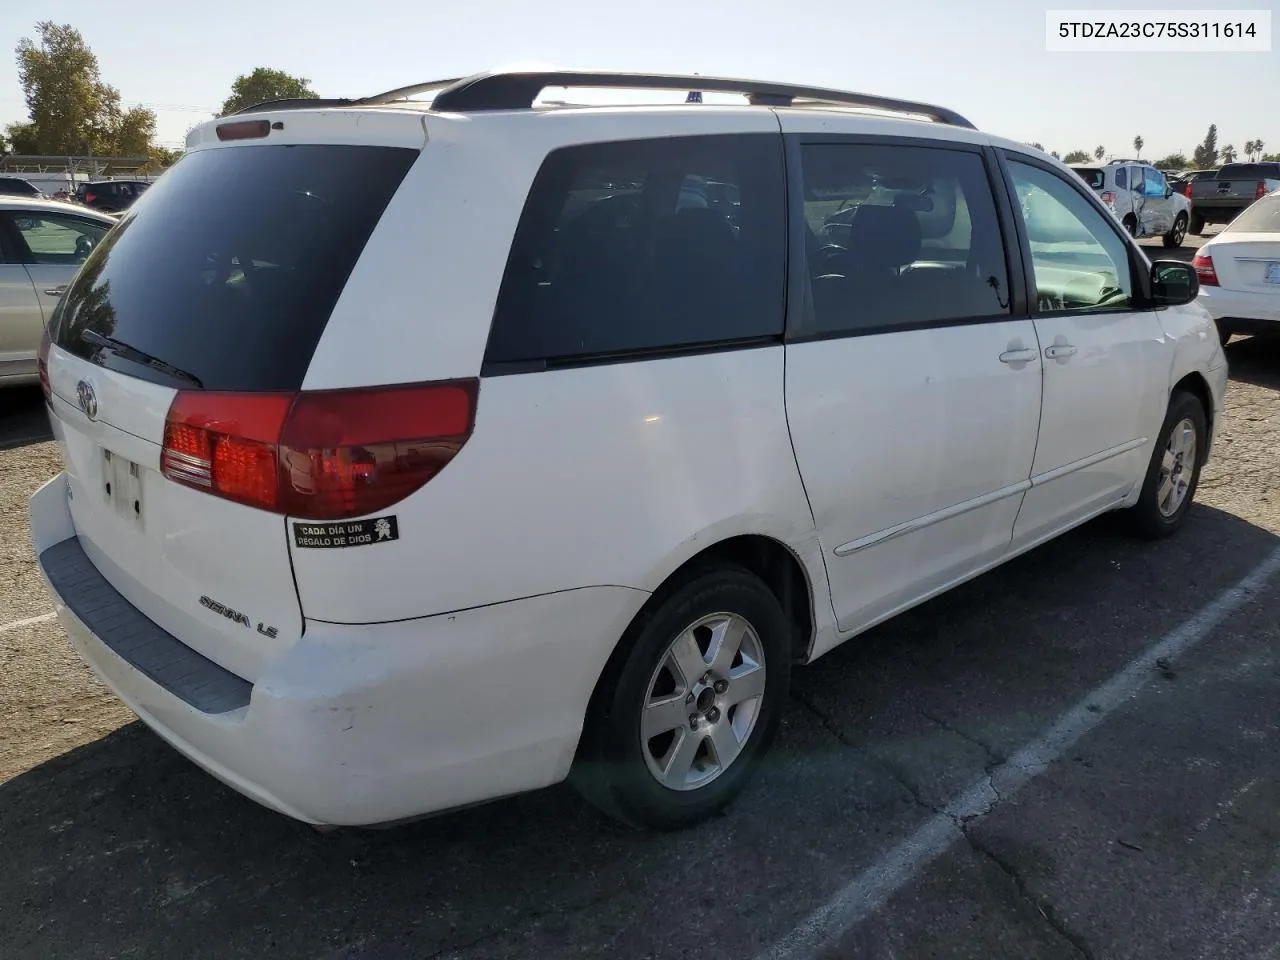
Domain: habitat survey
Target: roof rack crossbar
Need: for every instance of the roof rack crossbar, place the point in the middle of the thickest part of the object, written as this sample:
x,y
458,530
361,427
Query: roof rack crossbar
x,y
519,90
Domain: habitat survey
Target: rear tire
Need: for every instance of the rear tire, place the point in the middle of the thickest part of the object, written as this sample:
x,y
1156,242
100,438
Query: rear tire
x,y
1224,332
686,772
1177,233
1197,225
1131,225
1174,471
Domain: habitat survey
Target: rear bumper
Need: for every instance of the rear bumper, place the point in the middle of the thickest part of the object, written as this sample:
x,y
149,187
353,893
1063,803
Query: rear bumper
x,y
1244,311
354,724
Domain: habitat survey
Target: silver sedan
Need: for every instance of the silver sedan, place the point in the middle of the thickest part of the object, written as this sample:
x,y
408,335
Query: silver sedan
x,y
42,245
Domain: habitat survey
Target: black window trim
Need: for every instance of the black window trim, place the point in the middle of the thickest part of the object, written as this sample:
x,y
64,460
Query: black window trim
x,y
501,368
19,243
1139,278
798,285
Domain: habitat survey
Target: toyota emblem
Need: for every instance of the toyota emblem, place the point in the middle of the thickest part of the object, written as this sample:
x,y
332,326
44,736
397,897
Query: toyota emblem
x,y
87,399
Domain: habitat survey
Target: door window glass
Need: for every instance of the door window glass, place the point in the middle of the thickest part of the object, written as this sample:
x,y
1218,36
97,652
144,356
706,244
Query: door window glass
x,y
1080,263
55,239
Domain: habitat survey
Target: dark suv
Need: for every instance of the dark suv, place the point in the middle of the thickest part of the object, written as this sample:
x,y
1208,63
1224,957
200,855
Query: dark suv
x,y
111,196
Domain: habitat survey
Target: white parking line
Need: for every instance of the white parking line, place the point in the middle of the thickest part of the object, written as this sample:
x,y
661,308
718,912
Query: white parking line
x,y
863,895
6,627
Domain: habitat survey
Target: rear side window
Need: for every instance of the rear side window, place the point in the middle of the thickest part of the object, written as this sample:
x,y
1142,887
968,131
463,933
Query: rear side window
x,y
53,238
1122,178
230,269
646,245
900,236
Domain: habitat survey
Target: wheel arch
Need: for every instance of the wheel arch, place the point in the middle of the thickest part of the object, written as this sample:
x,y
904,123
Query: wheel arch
x,y
1195,384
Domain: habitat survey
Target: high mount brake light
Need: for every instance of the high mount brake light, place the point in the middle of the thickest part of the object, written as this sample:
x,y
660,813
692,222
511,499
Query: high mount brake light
x,y
317,455
244,129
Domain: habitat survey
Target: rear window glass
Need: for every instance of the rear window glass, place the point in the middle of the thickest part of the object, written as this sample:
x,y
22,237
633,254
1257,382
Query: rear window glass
x,y
1249,171
1261,216
646,245
1094,177
229,270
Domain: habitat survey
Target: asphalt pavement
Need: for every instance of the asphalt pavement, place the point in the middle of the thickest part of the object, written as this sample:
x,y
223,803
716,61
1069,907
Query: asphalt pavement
x,y
1075,755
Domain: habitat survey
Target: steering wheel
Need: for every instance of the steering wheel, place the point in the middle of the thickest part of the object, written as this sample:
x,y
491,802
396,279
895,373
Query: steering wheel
x,y
84,247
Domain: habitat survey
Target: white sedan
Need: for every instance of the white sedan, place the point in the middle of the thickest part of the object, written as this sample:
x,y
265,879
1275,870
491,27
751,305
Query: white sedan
x,y
1239,271
42,245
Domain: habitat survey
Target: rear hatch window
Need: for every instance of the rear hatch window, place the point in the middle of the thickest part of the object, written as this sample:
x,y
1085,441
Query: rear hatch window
x,y
225,277
1094,177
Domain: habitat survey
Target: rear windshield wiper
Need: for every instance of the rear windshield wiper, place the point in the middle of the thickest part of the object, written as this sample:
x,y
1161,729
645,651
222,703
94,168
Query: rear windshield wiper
x,y
138,356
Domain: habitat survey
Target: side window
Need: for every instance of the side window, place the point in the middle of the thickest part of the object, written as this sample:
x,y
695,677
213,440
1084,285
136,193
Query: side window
x,y
900,236
1122,178
55,239
1155,182
1079,262
646,245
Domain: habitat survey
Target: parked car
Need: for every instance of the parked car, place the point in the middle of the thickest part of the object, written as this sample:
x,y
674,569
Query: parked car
x,y
1239,271
1237,185
18,187
1141,199
111,196
42,245
370,522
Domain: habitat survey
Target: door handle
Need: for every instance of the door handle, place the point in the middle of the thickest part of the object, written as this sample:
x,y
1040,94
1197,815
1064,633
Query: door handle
x,y
56,291
1025,355
1059,351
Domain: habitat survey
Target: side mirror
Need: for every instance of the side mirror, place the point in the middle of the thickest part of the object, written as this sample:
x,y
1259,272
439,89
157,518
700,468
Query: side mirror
x,y
1173,283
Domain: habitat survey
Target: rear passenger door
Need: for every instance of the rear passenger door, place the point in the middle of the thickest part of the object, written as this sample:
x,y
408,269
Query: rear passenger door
x,y
913,387
20,317
1105,360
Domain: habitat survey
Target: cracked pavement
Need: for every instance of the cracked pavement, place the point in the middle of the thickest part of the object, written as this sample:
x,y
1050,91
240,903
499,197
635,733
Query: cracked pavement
x,y
1156,834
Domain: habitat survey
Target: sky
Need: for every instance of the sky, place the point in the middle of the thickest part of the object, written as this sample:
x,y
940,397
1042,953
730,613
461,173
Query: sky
x,y
985,59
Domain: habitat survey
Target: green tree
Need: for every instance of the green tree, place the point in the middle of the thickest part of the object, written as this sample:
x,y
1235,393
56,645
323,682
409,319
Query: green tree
x,y
1257,147
1174,161
1099,152
1229,152
1271,157
71,110
1206,155
1054,154
1037,146
265,84
1078,156
1137,146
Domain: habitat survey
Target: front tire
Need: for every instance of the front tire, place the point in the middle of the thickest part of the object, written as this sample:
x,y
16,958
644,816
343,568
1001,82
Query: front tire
x,y
690,702
1177,233
1174,471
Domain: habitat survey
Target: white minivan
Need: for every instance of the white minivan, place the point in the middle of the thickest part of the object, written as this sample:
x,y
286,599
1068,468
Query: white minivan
x,y
420,452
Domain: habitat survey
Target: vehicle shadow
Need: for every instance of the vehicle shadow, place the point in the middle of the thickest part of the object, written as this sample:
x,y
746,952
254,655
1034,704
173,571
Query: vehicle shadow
x,y
1255,360
124,848
23,418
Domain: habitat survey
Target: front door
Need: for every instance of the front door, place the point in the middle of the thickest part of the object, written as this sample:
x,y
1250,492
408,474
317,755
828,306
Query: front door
x,y
913,394
1105,369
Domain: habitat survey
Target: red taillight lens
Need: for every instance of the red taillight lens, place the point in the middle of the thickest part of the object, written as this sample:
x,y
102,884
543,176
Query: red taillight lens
x,y
90,196
1186,189
1204,270
1109,198
320,455
42,364
1261,190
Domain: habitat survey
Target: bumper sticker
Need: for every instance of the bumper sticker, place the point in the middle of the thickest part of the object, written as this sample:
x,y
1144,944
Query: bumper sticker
x,y
347,533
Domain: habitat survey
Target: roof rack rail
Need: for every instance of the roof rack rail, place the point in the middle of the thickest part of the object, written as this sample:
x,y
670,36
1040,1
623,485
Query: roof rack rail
x,y
519,90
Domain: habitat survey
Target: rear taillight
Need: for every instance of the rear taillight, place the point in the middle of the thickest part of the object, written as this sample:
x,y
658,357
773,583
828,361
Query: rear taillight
x,y
90,196
42,364
1186,189
1204,270
1109,198
1261,190
317,455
